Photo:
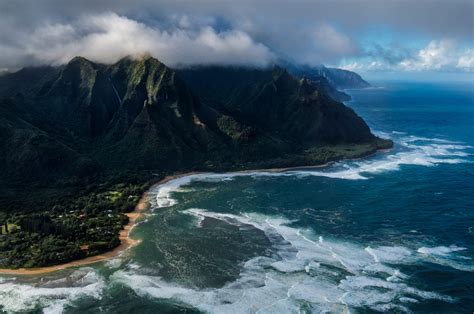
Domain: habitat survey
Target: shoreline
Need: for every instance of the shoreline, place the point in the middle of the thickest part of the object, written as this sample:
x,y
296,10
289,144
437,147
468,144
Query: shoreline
x,y
124,234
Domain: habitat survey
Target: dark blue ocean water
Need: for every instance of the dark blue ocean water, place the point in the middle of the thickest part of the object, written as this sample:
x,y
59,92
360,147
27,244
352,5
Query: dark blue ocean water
x,y
388,233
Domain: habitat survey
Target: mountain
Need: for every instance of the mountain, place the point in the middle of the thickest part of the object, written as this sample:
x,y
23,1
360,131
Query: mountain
x,y
299,110
338,78
346,79
70,122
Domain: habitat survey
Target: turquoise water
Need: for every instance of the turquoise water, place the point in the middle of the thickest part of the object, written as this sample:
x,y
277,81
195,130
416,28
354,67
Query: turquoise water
x,y
393,232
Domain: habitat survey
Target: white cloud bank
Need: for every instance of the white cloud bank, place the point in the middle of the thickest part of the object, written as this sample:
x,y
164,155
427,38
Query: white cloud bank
x,y
333,42
109,37
437,55
466,61
183,40
443,55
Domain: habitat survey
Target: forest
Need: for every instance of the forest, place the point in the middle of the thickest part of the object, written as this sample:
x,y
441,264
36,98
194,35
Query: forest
x,y
82,227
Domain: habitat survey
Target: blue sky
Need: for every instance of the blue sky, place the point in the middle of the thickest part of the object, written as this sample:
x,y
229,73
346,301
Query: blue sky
x,y
386,51
375,38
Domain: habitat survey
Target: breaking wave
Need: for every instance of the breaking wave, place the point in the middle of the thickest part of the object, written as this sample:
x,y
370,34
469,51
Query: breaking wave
x,y
322,274
51,295
440,250
410,150
303,271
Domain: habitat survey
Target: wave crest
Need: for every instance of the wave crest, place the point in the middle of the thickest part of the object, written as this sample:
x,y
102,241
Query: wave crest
x,y
322,274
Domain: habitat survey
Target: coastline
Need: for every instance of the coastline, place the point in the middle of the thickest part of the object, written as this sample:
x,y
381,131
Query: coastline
x,y
124,234
125,243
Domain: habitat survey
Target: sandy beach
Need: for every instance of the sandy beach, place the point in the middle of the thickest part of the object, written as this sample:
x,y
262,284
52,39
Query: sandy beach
x,y
124,235
125,242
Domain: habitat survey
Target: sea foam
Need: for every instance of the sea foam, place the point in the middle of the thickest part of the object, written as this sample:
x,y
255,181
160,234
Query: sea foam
x,y
440,250
51,295
326,274
409,150
323,274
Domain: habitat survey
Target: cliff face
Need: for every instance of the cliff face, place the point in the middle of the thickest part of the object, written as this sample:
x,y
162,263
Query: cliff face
x,y
300,110
346,79
84,117
337,78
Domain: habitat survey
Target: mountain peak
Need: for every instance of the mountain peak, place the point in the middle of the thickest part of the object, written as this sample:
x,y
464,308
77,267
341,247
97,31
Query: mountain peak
x,y
79,60
144,57
80,67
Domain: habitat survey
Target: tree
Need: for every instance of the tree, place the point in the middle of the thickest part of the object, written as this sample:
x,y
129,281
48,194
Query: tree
x,y
6,225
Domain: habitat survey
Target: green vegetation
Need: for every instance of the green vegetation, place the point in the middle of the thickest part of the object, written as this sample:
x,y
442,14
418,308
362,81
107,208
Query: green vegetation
x,y
8,228
84,226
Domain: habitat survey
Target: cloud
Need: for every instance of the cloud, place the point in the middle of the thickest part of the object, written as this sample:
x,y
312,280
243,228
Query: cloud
x,y
391,54
466,61
247,31
330,42
437,55
439,19
109,37
364,66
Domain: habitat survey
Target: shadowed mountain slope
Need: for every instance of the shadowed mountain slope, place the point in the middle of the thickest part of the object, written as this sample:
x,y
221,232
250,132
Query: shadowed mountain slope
x,y
138,114
337,78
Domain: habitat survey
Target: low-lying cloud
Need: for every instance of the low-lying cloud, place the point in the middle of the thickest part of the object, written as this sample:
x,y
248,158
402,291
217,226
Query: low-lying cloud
x,y
362,35
108,37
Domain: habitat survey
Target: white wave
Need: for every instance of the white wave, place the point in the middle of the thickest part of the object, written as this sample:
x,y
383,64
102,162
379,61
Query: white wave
x,y
440,250
441,150
413,138
447,256
55,308
326,275
436,151
51,295
412,150
113,263
163,197
163,192
388,254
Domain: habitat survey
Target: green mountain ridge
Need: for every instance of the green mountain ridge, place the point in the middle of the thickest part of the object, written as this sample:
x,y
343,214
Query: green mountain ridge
x,y
139,115
295,108
338,78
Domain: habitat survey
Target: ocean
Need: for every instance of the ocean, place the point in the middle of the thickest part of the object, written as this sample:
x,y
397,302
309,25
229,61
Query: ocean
x,y
393,232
